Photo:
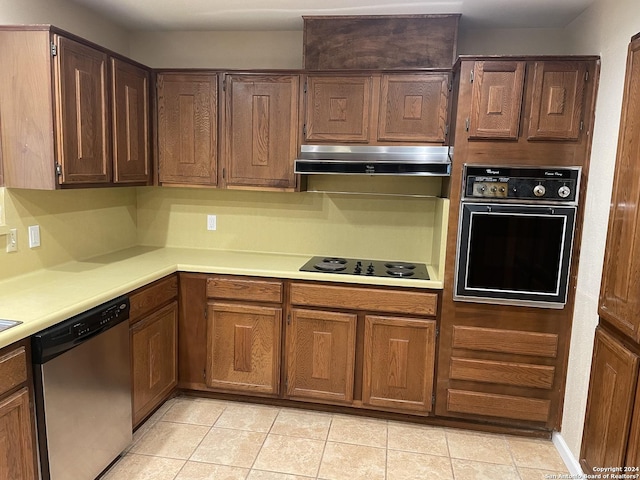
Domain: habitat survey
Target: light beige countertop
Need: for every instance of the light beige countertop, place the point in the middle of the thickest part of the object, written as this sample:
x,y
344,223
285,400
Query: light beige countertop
x,y
45,297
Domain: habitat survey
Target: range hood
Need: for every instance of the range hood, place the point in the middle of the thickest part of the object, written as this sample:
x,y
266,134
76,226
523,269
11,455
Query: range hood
x,y
374,160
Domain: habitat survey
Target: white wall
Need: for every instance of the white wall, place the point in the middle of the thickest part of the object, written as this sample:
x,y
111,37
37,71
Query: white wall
x,y
513,41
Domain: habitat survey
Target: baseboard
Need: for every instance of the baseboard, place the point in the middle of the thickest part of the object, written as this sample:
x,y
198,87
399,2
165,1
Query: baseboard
x,y
569,460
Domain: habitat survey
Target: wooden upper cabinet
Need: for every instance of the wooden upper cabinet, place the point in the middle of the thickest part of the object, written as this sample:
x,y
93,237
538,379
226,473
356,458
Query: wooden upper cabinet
x,y
338,108
557,100
614,373
496,99
619,299
83,138
260,128
187,128
413,108
130,97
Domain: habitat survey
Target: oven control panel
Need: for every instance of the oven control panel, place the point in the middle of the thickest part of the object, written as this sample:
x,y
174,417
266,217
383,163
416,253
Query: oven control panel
x,y
522,183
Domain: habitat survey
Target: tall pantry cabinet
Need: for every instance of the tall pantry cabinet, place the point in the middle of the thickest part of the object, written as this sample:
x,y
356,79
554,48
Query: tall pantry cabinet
x,y
611,435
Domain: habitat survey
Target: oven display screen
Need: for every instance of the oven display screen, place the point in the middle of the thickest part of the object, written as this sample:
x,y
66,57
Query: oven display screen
x,y
515,252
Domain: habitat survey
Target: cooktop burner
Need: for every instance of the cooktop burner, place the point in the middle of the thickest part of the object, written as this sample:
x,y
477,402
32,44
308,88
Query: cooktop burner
x,y
371,268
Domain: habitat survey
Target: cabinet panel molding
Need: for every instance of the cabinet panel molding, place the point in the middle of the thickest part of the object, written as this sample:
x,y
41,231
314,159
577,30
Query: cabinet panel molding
x,y
16,438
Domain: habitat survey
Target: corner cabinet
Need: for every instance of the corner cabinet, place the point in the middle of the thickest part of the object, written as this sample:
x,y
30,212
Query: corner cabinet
x,y
73,114
260,125
376,108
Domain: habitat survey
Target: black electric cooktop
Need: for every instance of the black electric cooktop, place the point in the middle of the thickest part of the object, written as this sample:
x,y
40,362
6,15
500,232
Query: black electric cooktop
x,y
366,268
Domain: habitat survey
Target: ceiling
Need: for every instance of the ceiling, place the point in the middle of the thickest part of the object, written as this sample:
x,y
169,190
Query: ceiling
x,y
286,14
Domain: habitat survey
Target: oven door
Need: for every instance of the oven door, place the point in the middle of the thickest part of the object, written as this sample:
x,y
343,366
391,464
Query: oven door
x,y
514,254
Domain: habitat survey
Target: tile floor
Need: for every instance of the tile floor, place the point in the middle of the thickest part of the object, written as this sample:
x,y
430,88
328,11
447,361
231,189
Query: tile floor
x,y
197,438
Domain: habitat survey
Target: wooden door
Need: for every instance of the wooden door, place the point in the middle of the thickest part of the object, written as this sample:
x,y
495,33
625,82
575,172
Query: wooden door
x,y
16,438
614,373
187,128
496,99
413,108
153,360
557,100
260,130
619,299
130,100
399,363
321,355
244,348
338,109
82,115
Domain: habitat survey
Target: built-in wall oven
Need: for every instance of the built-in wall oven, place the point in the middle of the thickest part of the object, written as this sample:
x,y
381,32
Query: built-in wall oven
x,y
515,235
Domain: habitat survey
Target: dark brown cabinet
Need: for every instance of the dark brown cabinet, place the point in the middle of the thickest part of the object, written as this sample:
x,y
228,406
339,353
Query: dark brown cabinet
x,y
154,333
376,108
260,130
187,128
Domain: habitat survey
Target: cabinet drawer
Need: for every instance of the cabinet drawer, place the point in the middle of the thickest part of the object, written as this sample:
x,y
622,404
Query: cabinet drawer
x,y
147,299
245,289
506,341
360,298
13,369
494,405
503,373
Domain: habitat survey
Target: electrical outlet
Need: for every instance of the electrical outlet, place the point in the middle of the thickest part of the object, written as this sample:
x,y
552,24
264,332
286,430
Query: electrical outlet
x,y
211,222
34,236
12,240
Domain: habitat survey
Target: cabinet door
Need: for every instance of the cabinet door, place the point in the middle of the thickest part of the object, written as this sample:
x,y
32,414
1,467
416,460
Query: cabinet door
x,y
399,363
130,97
187,128
321,355
16,438
496,100
154,360
619,299
261,127
338,109
244,348
413,108
82,119
556,105
614,372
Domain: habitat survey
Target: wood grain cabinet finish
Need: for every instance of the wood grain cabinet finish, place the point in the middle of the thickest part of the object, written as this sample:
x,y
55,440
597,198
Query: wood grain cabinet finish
x,y
16,437
154,360
321,355
496,100
243,348
614,374
399,363
187,128
619,299
260,130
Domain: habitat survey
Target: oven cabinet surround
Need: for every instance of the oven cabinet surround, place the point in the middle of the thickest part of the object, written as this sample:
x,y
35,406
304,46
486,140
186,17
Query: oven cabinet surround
x,y
153,330
498,363
376,108
613,402
73,113
17,427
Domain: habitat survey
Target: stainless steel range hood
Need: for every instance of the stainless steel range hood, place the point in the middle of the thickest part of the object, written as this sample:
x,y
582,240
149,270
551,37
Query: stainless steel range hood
x,y
374,160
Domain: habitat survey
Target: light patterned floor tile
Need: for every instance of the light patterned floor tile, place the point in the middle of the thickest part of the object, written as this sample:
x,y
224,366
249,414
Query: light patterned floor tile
x,y
262,475
536,453
297,456
296,423
358,431
535,474
225,446
143,467
172,440
417,466
468,470
209,471
417,438
195,413
478,447
247,417
343,461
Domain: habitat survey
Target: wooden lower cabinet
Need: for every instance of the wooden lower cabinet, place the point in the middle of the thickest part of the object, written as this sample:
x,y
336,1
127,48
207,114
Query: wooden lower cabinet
x,y
399,363
154,360
611,408
321,355
243,348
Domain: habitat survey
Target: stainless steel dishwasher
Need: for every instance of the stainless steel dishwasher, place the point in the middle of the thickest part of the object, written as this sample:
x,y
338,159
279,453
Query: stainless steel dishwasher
x,y
83,392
